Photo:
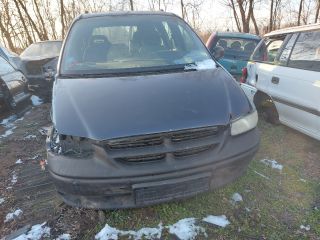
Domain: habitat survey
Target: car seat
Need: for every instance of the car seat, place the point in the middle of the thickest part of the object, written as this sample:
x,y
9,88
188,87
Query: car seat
x,y
98,49
223,43
249,47
145,40
236,46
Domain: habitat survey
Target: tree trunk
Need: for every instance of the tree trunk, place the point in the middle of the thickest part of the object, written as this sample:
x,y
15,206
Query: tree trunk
x,y
317,12
131,5
23,22
271,17
62,13
299,13
236,18
35,27
256,28
182,8
7,36
45,33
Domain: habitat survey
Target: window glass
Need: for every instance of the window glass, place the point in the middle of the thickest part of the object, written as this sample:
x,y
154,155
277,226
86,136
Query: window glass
x,y
5,67
284,57
267,50
236,48
306,52
131,42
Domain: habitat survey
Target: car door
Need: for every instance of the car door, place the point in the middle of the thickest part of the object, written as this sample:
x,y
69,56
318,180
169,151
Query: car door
x,y
14,80
262,65
295,84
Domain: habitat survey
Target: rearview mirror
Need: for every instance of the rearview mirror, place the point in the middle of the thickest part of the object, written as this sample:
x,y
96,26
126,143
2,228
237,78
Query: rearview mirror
x,y
218,52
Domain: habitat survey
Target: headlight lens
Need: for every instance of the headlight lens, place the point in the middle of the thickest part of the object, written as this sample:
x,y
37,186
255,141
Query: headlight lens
x,y
244,124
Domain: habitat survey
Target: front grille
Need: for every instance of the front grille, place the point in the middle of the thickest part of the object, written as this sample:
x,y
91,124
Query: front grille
x,y
192,151
135,142
159,147
194,134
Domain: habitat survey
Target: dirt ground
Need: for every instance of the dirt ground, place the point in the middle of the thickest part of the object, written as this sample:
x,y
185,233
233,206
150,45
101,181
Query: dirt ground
x,y
276,204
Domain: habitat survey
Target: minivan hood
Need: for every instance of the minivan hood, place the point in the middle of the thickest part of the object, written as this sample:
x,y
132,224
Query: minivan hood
x,y
114,107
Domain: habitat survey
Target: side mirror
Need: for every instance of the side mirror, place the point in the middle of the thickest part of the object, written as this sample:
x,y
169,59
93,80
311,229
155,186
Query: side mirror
x,y
218,52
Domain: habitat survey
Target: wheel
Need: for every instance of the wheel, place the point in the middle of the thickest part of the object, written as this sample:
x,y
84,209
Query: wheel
x,y
270,114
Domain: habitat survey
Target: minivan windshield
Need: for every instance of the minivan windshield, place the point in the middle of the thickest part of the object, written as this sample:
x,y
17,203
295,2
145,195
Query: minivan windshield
x,y
132,43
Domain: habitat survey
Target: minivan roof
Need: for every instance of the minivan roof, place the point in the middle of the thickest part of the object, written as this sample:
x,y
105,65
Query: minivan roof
x,y
237,34
123,13
304,28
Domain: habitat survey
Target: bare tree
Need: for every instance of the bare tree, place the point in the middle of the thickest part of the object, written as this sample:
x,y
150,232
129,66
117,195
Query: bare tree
x,y
182,8
300,11
317,12
243,12
271,16
131,5
62,14
23,22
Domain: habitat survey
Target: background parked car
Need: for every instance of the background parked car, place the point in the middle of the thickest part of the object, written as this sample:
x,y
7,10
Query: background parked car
x,y
285,70
40,63
11,57
13,85
238,48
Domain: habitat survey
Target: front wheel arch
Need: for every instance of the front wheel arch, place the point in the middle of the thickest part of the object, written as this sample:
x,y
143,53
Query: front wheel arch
x,y
266,107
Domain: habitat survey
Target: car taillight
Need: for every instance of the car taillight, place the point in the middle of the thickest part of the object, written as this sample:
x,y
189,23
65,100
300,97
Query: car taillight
x,y
243,79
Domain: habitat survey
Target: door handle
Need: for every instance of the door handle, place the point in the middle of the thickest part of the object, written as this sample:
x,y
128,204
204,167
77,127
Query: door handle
x,y
275,80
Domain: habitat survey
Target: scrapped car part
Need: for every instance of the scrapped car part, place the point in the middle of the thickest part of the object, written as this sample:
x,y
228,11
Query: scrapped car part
x,y
13,85
11,57
238,48
39,63
142,114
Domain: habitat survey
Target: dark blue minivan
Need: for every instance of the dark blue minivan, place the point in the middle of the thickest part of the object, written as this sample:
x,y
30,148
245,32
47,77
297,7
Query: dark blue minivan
x,y
142,114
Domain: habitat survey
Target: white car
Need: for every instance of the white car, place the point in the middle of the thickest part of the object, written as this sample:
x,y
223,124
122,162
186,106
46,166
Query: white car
x,y
282,78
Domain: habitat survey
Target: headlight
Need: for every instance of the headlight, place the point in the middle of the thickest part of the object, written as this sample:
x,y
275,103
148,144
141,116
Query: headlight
x,y
244,124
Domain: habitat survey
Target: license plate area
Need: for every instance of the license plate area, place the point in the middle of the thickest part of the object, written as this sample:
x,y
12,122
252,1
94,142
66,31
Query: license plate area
x,y
166,190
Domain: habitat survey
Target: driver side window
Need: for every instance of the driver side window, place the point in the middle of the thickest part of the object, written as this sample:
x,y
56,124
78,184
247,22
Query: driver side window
x,y
267,50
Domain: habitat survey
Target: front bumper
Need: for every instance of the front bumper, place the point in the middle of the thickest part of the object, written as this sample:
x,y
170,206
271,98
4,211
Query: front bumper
x,y
100,184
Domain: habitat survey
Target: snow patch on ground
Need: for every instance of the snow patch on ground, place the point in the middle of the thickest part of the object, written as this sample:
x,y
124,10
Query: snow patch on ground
x,y
272,163
149,233
236,197
8,132
19,161
36,101
37,232
65,236
30,137
220,221
186,229
7,122
13,215
307,228
14,178
109,232
1,200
